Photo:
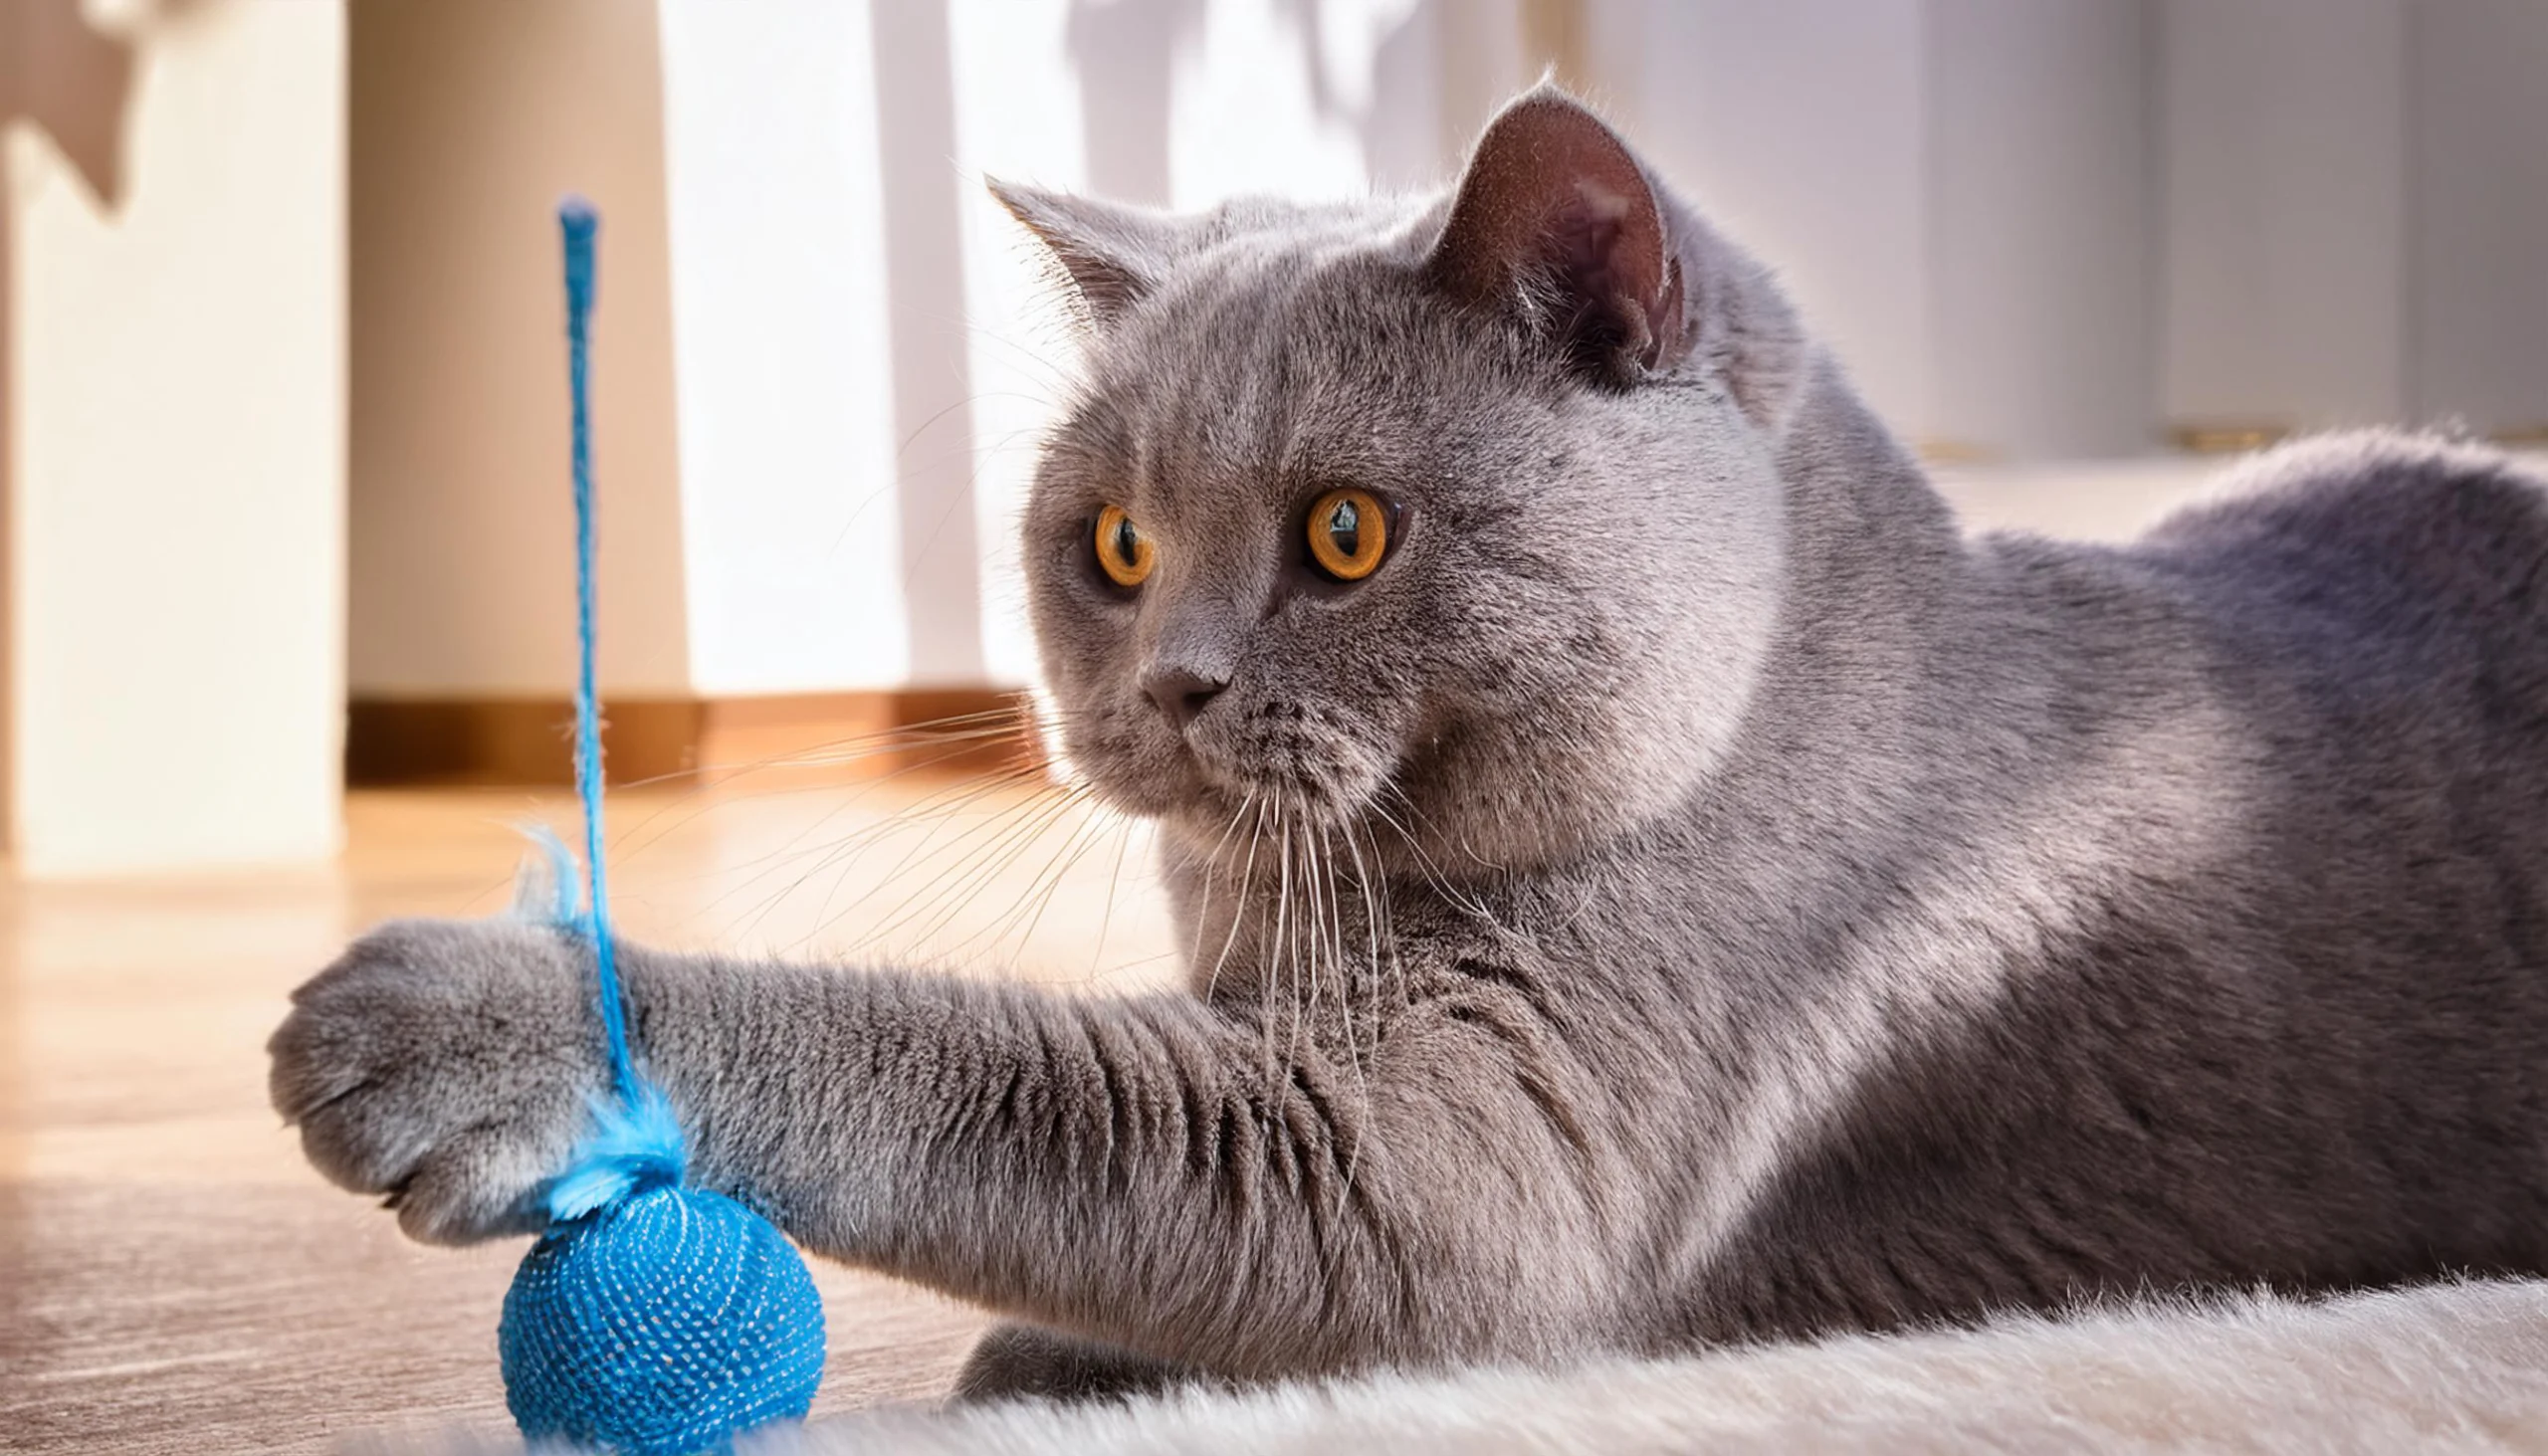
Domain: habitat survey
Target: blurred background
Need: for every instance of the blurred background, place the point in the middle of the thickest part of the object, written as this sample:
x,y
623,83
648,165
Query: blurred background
x,y
281,400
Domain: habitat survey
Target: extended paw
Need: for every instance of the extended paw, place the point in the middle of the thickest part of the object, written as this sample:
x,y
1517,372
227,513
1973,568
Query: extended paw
x,y
447,1064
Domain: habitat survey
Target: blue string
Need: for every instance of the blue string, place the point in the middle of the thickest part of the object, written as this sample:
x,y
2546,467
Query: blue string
x,y
578,222
651,1319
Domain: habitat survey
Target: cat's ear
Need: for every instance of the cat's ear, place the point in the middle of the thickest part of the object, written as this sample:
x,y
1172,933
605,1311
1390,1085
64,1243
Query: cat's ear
x,y
1556,219
1553,216
1109,254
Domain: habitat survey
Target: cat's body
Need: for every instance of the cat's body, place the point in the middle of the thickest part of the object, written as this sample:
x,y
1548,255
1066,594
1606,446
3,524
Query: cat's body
x,y
1688,891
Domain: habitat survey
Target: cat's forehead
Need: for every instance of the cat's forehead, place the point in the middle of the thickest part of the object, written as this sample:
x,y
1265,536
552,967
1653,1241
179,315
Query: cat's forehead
x,y
1275,361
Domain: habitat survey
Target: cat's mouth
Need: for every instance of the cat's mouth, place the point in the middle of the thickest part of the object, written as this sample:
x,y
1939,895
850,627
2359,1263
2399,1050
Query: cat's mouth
x,y
1291,759
1291,803
1272,765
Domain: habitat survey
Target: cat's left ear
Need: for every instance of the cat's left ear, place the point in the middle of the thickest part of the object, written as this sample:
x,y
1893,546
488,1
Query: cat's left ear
x,y
1112,256
1553,216
1556,218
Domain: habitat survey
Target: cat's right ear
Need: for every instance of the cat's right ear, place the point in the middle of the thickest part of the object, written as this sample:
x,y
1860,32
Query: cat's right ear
x,y
1110,254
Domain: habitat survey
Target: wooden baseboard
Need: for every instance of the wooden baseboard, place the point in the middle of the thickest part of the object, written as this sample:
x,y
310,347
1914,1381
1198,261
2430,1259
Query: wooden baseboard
x,y
790,738
2226,437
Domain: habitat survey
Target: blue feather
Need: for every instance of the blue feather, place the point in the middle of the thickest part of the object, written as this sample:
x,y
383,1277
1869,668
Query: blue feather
x,y
635,1144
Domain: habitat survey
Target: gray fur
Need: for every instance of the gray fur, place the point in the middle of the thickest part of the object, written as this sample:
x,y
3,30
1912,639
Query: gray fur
x,y
1687,894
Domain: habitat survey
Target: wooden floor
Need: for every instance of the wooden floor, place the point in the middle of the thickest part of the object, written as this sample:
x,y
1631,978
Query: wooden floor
x,y
172,1275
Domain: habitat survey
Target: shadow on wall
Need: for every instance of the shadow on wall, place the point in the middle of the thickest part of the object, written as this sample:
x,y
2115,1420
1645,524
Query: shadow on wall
x,y
72,82
1125,54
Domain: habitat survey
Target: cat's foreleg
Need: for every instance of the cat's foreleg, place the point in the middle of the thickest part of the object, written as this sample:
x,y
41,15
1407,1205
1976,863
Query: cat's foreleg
x,y
1135,1171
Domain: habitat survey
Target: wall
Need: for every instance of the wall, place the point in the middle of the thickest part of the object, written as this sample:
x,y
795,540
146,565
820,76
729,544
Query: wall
x,y
2478,159
175,453
469,118
2041,214
1802,129
1957,192
2284,239
791,521
2356,205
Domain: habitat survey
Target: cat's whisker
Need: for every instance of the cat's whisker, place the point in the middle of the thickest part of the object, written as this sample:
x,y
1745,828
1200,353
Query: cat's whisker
x,y
1114,879
1304,942
718,785
960,886
1313,927
793,846
952,877
1246,882
1082,838
1092,816
1347,987
1203,910
1433,874
1282,971
1385,924
990,721
1066,377
935,813
825,917
932,810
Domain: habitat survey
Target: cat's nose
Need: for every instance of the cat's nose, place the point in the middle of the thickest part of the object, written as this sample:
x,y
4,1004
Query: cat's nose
x,y
1181,693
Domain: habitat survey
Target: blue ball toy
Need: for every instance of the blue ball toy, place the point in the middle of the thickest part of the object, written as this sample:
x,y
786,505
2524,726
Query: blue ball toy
x,y
660,1324
652,1319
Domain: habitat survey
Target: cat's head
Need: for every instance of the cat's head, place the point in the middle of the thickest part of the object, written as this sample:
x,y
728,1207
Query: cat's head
x,y
1453,518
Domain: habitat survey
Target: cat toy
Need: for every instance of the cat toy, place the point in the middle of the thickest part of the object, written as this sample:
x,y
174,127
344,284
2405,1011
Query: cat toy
x,y
652,1318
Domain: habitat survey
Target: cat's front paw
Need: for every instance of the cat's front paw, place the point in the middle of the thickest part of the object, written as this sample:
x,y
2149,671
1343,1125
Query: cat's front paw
x,y
447,1064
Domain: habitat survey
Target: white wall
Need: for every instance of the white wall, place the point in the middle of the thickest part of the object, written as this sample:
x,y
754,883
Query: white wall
x,y
790,513
1801,128
2356,203
1956,192
2041,222
2284,240
1019,114
470,120
176,365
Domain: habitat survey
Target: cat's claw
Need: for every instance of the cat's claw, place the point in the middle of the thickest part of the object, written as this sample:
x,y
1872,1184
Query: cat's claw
x,y
445,1064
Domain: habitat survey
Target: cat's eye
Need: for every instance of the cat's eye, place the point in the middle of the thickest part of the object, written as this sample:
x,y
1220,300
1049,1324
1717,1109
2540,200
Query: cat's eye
x,y
1123,552
1348,534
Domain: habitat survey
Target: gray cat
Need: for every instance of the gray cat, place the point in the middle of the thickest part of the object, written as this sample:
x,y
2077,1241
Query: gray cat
x,y
1652,882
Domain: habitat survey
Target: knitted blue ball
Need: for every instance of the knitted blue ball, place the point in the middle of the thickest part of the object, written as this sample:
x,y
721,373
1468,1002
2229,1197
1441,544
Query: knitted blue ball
x,y
666,1323
653,1319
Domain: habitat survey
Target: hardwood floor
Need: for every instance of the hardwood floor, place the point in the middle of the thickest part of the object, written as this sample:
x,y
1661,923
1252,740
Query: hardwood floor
x,y
173,1277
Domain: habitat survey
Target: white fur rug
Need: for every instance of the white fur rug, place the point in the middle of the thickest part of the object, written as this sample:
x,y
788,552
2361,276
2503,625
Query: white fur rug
x,y
2455,1367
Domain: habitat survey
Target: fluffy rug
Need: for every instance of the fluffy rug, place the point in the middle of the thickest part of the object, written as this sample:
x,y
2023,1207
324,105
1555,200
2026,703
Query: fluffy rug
x,y
2453,1367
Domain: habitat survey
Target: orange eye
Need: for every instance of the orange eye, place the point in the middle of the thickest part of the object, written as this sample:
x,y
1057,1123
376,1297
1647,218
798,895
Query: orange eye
x,y
1123,552
1348,532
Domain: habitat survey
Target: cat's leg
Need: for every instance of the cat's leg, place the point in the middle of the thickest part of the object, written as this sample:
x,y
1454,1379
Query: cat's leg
x,y
1133,1171
1027,1361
